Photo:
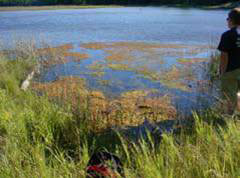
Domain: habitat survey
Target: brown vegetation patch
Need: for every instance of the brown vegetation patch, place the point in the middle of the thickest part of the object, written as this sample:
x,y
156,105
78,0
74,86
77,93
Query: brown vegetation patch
x,y
59,55
172,74
138,46
137,106
172,78
119,67
124,51
95,46
104,82
59,49
118,56
142,46
53,55
76,56
160,106
97,74
191,60
96,66
65,88
131,108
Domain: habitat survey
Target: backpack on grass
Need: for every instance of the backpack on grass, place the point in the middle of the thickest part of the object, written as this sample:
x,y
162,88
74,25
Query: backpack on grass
x,y
104,165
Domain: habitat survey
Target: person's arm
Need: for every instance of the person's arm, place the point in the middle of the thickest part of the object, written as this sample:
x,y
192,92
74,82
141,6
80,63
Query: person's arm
x,y
223,62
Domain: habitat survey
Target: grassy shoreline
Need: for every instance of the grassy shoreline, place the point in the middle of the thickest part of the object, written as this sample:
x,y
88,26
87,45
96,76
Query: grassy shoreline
x,y
54,7
226,6
229,5
40,137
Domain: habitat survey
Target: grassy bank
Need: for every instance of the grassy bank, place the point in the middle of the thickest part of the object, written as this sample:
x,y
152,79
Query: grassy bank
x,y
42,137
55,7
229,5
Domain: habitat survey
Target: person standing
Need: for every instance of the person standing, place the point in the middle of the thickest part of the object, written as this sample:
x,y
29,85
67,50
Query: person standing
x,y
229,47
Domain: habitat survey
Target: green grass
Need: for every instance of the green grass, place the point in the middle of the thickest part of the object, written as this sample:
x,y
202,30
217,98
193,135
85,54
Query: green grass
x,y
61,7
39,138
229,5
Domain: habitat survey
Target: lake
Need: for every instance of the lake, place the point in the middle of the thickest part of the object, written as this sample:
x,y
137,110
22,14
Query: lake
x,y
160,49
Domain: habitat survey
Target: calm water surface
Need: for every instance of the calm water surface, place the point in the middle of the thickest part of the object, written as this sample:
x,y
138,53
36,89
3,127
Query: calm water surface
x,y
150,24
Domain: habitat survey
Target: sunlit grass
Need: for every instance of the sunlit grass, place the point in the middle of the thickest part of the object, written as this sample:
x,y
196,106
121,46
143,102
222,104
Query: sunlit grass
x,y
54,131
41,139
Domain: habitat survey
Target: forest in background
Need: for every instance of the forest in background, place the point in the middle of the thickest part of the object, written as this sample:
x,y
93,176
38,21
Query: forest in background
x,y
110,2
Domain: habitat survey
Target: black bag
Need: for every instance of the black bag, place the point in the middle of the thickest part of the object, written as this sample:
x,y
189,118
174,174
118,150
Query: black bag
x,y
103,164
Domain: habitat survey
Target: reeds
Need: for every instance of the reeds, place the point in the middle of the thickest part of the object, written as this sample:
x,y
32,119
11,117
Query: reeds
x,y
41,136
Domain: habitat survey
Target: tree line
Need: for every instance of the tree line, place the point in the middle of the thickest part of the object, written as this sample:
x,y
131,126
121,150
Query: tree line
x,y
109,2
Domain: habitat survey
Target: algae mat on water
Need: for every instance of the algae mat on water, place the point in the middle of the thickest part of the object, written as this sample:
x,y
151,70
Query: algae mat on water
x,y
173,66
149,61
129,109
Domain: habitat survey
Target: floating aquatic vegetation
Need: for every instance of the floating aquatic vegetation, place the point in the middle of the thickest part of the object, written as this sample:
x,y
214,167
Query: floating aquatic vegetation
x,y
97,74
191,60
119,67
95,46
118,56
97,66
104,82
62,87
59,55
76,56
137,103
161,49
135,94
148,73
146,61
129,45
58,49
161,106
128,109
172,78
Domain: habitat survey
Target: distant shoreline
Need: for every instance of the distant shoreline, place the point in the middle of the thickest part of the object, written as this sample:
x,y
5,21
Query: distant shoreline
x,y
62,7
54,7
226,6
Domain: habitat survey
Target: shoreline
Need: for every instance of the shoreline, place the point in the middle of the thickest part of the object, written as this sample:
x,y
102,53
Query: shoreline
x,y
224,6
65,7
54,7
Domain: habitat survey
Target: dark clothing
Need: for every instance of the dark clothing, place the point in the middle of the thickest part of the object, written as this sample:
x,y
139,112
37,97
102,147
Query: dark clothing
x,y
230,43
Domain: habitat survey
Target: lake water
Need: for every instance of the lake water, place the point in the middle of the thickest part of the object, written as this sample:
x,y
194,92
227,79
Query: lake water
x,y
151,24
133,42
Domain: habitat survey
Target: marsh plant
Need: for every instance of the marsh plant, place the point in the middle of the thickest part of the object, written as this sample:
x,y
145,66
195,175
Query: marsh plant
x,y
40,137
